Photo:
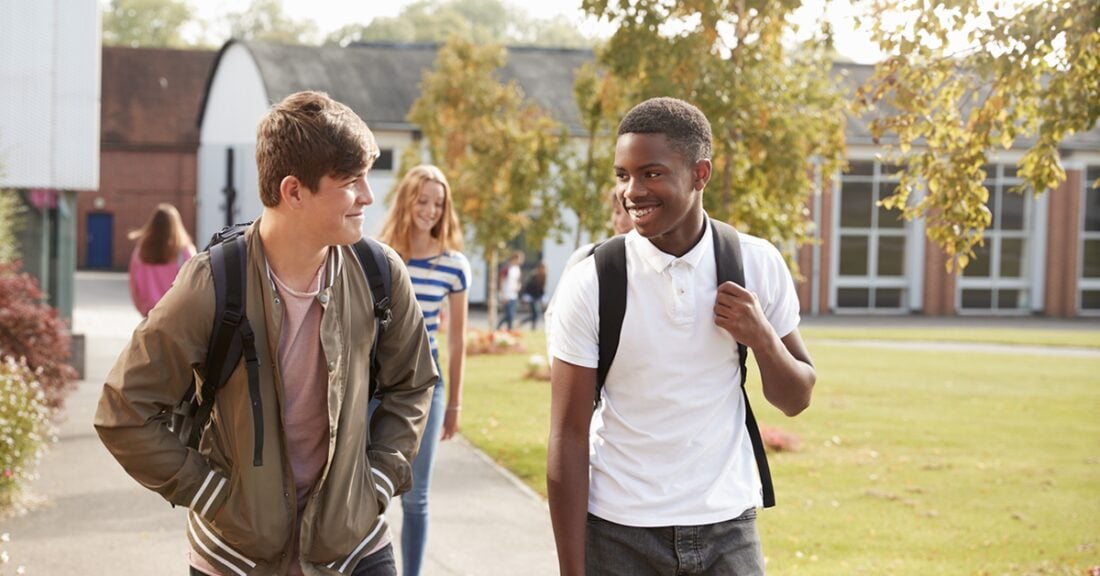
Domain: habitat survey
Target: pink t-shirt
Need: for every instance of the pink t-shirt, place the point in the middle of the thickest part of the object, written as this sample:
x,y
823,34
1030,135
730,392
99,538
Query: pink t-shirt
x,y
305,399
149,282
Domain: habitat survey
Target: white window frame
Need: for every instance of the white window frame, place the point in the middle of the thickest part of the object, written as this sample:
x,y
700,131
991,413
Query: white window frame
x,y
911,278
1033,234
1083,283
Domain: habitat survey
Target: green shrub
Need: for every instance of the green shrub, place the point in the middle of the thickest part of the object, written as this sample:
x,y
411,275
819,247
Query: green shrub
x,y
24,428
32,330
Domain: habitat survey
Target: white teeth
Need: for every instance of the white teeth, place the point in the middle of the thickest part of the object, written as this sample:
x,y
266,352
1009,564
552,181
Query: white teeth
x,y
640,212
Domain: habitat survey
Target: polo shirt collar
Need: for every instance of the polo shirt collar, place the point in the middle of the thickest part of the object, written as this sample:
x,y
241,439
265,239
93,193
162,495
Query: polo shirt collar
x,y
659,260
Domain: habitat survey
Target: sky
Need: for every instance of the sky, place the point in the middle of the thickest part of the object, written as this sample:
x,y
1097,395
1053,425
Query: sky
x,y
332,14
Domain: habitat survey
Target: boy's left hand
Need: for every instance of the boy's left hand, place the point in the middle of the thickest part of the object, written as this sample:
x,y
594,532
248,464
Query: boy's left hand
x,y
738,311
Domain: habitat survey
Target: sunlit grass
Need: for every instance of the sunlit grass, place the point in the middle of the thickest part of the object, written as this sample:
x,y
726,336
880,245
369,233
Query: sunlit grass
x,y
1030,337
912,462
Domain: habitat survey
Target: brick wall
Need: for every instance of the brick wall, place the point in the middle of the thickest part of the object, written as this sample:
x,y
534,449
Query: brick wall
x,y
131,184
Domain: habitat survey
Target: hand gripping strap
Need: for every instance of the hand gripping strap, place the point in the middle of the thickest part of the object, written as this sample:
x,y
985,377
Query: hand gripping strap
x,y
731,268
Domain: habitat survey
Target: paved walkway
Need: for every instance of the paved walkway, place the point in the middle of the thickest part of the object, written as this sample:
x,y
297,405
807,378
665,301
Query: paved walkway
x,y
93,519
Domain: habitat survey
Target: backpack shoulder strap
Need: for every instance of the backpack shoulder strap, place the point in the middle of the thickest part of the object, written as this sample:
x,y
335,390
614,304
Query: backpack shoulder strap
x,y
376,267
731,268
231,337
611,274
227,265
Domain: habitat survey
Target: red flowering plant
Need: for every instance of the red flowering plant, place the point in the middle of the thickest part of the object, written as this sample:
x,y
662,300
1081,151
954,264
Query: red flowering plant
x,y
493,342
32,330
779,440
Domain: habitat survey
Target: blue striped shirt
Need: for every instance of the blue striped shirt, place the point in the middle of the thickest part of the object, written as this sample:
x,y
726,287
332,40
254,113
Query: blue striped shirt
x,y
435,278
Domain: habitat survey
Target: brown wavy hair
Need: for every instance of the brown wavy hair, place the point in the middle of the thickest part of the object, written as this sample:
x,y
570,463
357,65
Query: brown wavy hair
x,y
163,236
309,136
402,199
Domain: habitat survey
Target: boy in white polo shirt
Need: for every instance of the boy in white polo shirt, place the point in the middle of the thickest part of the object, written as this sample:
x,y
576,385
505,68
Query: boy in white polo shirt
x,y
661,478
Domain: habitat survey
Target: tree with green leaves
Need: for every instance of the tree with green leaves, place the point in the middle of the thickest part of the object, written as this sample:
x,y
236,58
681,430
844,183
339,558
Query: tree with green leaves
x,y
479,21
586,175
266,20
776,113
1029,72
497,149
146,23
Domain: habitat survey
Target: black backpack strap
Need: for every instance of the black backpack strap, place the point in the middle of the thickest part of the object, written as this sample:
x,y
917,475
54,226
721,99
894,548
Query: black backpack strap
x,y
611,273
376,266
232,337
731,268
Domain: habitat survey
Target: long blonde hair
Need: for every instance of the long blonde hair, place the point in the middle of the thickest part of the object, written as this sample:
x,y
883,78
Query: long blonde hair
x,y
163,236
397,230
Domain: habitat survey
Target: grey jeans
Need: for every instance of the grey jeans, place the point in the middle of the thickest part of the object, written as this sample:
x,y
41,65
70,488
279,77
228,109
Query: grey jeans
x,y
730,548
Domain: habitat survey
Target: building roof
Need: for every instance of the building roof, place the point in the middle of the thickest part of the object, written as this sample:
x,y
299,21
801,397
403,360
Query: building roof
x,y
380,81
858,129
152,96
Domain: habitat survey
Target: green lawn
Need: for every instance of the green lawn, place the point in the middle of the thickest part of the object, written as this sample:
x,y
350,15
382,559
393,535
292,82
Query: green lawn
x,y
1033,337
912,463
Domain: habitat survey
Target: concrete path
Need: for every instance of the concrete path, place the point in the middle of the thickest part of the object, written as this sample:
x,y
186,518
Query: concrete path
x,y
91,518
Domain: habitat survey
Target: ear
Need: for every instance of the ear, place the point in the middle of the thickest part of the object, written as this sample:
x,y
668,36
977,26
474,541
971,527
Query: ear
x,y
701,173
291,191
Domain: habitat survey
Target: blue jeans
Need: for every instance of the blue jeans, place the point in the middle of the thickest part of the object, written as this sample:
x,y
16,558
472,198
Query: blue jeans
x,y
536,313
509,317
414,503
726,548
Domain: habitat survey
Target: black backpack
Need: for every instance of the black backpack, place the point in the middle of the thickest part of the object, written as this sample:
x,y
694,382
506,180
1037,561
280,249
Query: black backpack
x,y
611,271
233,337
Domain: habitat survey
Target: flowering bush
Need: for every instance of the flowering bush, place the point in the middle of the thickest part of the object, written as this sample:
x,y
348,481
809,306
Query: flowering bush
x,y
24,428
493,342
31,329
4,558
537,368
778,440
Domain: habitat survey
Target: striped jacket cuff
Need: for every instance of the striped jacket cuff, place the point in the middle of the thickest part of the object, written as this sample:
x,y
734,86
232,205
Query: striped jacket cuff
x,y
383,485
210,495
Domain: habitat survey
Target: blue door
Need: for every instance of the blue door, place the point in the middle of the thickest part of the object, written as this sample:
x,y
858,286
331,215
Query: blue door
x,y
101,227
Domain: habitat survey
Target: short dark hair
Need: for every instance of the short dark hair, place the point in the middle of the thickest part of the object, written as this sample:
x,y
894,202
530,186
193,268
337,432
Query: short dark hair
x,y
685,126
309,136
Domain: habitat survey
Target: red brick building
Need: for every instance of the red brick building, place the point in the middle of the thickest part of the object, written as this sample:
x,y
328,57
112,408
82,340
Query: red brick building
x,y
148,140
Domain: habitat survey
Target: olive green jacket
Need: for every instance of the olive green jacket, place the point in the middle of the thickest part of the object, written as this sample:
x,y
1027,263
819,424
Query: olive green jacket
x,y
242,516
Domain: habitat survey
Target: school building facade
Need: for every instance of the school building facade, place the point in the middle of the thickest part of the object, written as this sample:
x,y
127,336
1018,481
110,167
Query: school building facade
x,y
1041,255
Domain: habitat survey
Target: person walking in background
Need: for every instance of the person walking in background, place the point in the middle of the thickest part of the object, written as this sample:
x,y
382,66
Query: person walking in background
x,y
661,476
290,476
620,224
163,245
511,280
533,292
423,228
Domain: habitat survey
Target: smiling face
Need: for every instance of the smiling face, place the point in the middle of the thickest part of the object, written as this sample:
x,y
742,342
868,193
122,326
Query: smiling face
x,y
335,209
662,191
428,209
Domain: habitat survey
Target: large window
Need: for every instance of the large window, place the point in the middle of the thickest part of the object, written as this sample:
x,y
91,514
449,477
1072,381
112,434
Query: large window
x,y
871,253
1088,284
999,275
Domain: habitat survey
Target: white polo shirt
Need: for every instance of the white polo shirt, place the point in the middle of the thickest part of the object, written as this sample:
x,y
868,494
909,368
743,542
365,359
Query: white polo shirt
x,y
668,444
